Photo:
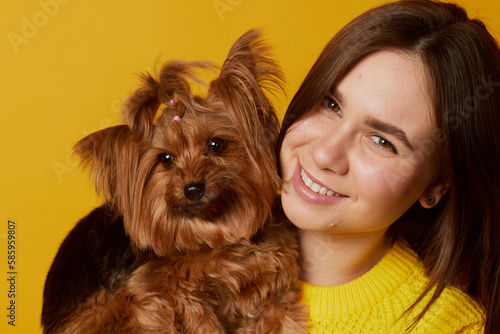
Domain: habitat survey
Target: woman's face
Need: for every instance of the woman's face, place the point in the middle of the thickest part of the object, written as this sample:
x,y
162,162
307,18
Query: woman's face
x,y
358,161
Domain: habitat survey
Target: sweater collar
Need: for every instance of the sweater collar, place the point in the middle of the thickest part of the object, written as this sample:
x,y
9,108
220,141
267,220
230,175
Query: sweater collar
x,y
386,276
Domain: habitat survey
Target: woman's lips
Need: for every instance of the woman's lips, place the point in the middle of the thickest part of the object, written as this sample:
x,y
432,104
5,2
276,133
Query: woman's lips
x,y
311,191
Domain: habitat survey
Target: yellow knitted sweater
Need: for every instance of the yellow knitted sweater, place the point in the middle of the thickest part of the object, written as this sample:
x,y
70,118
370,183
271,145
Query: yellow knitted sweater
x,y
376,301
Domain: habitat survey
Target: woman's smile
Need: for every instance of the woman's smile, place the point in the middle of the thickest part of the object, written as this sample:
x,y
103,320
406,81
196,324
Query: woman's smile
x,y
312,190
316,187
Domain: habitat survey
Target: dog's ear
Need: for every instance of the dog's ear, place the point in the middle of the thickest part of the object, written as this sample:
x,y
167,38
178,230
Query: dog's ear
x,y
109,155
247,75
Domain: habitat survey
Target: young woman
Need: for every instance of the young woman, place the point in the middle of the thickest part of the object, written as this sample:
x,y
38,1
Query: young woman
x,y
390,159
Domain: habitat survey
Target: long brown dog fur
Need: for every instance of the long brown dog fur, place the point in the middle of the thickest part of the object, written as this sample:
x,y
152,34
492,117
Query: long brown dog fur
x,y
190,239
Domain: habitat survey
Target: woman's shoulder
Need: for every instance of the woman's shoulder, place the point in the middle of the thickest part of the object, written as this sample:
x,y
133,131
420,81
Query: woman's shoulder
x,y
456,307
454,311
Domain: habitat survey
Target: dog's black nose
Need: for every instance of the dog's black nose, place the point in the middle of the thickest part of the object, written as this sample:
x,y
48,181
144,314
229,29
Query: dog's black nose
x,y
194,191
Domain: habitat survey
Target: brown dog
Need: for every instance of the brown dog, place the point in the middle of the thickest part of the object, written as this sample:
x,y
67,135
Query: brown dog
x,y
188,240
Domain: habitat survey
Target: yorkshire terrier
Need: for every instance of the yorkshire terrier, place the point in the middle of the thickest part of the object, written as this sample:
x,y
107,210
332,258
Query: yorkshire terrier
x,y
190,238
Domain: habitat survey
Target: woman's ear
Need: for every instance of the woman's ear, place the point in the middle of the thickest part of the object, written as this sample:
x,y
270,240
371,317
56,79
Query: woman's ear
x,y
433,194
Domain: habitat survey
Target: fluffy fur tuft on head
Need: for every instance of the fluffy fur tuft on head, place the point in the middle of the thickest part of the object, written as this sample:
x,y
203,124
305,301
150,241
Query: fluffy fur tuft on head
x,y
188,171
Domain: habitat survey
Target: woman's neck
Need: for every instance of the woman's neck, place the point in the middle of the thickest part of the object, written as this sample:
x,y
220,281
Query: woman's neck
x,y
329,260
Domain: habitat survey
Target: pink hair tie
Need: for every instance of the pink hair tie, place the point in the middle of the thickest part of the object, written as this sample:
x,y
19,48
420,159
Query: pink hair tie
x,y
173,101
176,119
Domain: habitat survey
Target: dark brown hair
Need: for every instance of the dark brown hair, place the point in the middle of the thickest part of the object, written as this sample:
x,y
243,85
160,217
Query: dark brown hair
x,y
460,245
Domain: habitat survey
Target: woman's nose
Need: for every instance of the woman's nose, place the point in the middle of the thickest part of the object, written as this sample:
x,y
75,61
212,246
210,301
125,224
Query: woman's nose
x,y
330,152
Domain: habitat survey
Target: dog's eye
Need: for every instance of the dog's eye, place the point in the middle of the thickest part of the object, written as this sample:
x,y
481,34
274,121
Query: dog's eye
x,y
167,159
217,145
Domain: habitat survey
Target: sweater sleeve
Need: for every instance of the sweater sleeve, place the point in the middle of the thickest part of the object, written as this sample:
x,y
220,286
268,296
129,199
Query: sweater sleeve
x,y
475,328
454,312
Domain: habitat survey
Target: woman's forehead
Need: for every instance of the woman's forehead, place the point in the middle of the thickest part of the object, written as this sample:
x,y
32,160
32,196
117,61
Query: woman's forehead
x,y
390,88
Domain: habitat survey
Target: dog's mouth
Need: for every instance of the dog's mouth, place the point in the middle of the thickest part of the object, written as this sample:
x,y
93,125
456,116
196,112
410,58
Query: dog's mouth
x,y
207,208
206,211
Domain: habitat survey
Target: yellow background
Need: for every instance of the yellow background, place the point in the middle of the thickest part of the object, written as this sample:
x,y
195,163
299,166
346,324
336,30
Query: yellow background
x,y
65,67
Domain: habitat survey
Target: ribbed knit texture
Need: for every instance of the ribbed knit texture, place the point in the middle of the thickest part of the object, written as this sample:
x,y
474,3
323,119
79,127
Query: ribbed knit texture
x,y
376,302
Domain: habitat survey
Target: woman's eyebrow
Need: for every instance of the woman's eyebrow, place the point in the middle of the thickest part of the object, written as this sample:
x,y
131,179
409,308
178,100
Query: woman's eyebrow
x,y
389,129
337,96
376,123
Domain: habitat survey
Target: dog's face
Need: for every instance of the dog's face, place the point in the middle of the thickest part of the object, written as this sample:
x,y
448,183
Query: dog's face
x,y
188,171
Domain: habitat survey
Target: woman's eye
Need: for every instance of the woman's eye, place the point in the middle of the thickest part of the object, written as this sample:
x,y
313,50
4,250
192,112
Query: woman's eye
x,y
216,145
332,105
383,143
167,159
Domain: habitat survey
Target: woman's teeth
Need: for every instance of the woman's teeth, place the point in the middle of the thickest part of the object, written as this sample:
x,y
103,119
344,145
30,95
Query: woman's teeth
x,y
316,187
